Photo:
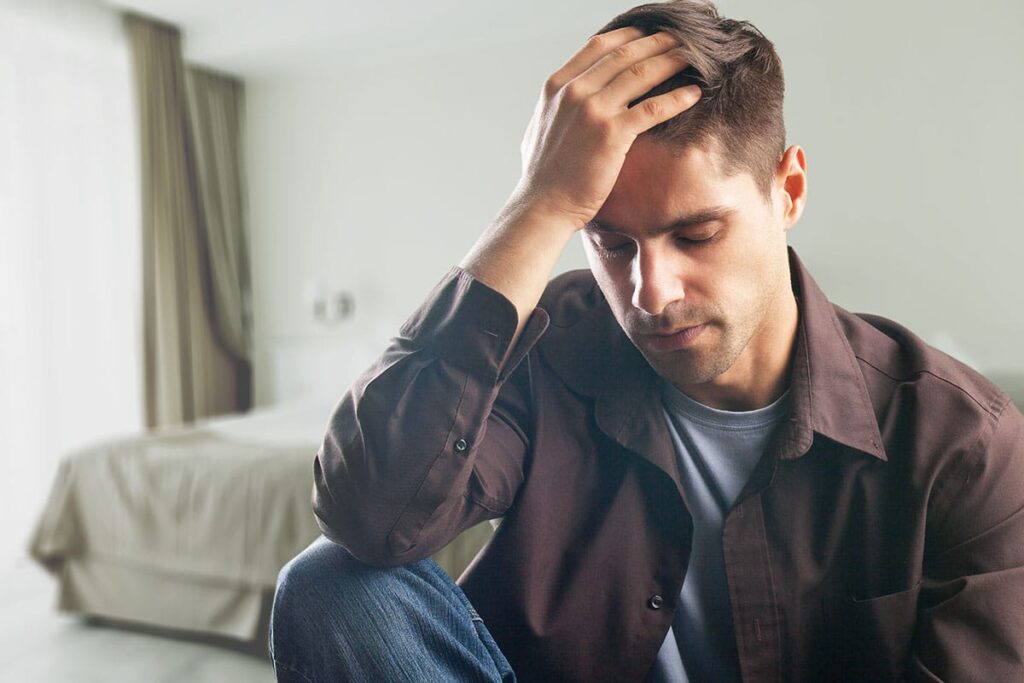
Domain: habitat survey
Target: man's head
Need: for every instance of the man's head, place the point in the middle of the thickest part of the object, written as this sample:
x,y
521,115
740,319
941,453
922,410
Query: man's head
x,y
741,81
722,167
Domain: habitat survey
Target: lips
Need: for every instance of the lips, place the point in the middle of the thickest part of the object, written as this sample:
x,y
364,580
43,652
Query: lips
x,y
674,341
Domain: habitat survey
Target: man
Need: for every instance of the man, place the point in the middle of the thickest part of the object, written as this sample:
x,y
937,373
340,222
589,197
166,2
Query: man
x,y
705,470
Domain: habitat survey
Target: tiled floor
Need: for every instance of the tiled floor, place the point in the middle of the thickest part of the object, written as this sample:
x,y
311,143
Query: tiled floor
x,y
39,645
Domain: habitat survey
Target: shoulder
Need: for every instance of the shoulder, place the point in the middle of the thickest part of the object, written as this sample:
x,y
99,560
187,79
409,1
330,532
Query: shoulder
x,y
909,379
945,423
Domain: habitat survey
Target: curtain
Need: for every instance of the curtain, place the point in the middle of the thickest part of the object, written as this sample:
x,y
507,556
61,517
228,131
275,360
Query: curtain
x,y
191,368
215,115
70,327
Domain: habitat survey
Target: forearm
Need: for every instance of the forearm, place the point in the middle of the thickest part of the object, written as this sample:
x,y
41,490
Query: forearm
x,y
389,458
393,476
517,254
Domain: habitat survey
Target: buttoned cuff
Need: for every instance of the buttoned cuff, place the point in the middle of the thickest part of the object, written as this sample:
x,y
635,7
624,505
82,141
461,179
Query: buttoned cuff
x,y
470,325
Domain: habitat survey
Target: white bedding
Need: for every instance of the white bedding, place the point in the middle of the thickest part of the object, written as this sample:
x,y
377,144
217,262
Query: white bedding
x,y
298,422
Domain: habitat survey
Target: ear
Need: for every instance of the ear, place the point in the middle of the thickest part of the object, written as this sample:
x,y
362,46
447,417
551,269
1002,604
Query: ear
x,y
790,188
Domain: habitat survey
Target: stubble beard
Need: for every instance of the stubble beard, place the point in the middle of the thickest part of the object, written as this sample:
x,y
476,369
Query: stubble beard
x,y
697,365
705,361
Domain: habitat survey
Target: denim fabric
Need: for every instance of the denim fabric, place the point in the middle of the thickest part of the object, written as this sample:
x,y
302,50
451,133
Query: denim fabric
x,y
335,619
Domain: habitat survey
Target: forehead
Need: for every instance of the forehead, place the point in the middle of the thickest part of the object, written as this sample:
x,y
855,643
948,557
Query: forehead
x,y
659,183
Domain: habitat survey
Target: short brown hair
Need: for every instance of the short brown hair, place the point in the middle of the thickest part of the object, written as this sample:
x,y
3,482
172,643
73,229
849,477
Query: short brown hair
x,y
741,80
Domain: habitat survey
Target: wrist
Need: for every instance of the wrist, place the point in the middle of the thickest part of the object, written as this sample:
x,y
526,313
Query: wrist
x,y
534,207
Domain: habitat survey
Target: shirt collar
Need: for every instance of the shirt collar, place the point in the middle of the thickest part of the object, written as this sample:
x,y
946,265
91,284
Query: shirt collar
x,y
827,387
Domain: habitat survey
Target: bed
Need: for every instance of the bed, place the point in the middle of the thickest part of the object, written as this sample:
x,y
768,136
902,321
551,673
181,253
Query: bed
x,y
186,528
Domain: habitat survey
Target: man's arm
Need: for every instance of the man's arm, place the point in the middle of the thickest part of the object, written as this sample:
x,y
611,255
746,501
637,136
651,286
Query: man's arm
x,y
573,151
433,437
971,617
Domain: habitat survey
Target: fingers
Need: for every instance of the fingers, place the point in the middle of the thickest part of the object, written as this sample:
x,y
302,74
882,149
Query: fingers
x,y
640,77
638,62
619,67
631,70
655,110
597,47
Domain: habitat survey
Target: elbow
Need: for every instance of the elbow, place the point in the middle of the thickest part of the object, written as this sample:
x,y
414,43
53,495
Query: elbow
x,y
344,525
369,539
362,549
371,549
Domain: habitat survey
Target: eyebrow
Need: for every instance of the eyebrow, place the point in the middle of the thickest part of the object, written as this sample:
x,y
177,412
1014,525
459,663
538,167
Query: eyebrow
x,y
713,213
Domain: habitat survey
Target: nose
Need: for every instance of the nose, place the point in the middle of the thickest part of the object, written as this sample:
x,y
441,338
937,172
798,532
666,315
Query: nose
x,y
656,283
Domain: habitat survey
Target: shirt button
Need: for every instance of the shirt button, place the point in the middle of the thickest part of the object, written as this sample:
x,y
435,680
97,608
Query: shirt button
x,y
655,602
461,445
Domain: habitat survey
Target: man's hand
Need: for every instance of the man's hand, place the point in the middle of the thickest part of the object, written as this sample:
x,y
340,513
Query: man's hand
x,y
573,151
582,127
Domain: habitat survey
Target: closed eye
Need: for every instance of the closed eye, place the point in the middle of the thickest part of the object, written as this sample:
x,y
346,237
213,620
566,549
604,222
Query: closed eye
x,y
611,250
697,241
619,249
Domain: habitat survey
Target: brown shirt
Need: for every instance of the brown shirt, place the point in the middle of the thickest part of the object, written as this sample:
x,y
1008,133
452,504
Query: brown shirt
x,y
880,538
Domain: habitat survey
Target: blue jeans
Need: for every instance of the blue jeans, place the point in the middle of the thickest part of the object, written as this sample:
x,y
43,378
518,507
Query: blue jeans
x,y
335,619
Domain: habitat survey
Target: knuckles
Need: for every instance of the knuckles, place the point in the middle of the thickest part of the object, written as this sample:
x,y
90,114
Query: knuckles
x,y
639,69
551,86
623,53
574,92
598,42
664,40
652,107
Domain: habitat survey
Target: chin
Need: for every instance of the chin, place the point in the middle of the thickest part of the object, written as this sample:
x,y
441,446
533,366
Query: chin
x,y
681,368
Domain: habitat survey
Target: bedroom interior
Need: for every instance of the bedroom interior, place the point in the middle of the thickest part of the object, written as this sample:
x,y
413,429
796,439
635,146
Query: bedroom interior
x,y
213,215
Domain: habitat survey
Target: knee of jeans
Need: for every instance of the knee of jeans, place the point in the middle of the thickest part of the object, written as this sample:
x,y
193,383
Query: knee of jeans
x,y
324,583
307,584
307,600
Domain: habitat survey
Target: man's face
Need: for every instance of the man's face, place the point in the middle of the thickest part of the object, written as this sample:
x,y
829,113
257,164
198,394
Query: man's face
x,y
726,272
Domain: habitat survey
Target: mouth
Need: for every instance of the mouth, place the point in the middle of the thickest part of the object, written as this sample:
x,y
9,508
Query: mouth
x,y
676,340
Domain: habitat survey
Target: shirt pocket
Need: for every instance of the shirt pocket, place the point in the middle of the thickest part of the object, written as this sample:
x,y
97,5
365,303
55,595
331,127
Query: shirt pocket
x,y
870,638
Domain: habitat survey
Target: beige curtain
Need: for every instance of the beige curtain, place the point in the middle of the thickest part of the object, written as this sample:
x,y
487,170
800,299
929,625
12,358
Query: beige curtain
x,y
215,104
190,370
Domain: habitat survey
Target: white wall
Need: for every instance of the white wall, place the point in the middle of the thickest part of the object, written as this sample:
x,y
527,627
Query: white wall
x,y
377,177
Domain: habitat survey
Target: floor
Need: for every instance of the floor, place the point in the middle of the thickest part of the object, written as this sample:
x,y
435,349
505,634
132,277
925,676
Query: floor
x,y
39,645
